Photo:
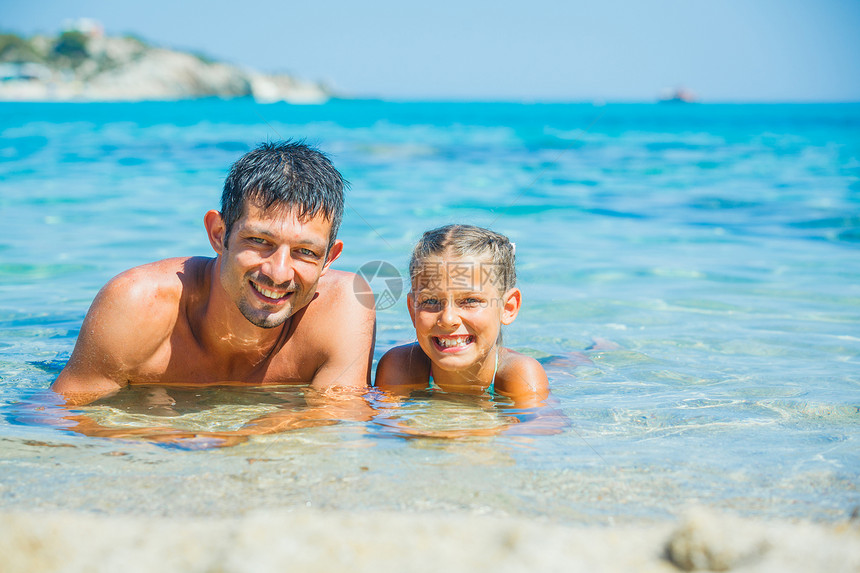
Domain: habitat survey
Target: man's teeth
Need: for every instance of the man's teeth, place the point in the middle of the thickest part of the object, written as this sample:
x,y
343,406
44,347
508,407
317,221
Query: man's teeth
x,y
270,293
454,342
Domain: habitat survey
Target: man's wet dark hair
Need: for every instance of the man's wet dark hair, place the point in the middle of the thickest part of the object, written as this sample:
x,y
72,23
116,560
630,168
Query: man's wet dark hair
x,y
287,174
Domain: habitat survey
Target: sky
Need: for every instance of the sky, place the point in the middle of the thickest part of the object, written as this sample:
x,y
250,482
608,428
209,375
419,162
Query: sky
x,y
541,50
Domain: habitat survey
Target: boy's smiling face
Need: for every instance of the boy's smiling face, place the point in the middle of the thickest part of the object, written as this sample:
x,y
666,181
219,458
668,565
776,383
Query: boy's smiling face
x,y
458,312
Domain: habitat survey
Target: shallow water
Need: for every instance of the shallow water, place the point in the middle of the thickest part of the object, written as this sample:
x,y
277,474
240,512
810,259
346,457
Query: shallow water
x,y
710,251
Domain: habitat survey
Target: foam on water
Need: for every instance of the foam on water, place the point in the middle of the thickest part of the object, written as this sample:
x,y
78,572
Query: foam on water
x,y
713,250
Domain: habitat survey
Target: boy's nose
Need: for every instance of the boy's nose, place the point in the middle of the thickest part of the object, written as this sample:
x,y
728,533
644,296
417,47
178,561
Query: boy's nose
x,y
279,267
448,316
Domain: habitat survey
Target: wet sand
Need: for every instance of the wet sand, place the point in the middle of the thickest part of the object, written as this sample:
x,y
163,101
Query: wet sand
x,y
330,499
313,540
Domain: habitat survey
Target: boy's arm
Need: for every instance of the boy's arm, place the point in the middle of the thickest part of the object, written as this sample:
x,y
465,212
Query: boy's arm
x,y
403,369
523,379
127,322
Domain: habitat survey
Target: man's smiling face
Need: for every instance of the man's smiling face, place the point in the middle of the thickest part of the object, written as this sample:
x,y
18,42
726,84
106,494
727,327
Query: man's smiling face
x,y
272,262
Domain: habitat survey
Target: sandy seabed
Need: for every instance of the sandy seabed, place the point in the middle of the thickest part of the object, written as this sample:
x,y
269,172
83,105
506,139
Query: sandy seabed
x,y
380,542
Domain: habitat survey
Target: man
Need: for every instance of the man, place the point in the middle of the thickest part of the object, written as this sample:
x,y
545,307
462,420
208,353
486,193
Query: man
x,y
266,310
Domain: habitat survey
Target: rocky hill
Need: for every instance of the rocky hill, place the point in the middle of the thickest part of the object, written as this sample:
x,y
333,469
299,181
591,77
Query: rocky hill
x,y
88,66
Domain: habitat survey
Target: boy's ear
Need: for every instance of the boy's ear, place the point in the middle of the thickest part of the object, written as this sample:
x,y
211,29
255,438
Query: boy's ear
x,y
511,302
216,230
333,253
410,304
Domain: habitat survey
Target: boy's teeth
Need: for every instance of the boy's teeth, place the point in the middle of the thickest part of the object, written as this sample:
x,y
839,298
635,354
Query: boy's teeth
x,y
452,342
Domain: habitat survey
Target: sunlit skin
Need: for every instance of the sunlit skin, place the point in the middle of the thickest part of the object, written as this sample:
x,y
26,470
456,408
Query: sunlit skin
x,y
266,310
458,315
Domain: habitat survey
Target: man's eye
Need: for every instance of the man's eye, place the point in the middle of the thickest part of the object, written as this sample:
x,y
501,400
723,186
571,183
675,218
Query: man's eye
x,y
257,240
307,252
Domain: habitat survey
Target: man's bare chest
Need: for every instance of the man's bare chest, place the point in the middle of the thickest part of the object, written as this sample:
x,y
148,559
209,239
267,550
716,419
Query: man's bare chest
x,y
183,360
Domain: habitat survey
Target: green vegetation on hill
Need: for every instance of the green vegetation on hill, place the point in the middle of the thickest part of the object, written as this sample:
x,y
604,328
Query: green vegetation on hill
x,y
71,46
77,65
15,49
68,50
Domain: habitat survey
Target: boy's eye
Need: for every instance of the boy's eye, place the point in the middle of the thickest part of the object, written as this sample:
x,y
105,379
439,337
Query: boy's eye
x,y
429,302
471,301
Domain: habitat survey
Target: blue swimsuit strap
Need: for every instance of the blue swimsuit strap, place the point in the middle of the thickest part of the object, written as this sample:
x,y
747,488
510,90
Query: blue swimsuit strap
x,y
491,388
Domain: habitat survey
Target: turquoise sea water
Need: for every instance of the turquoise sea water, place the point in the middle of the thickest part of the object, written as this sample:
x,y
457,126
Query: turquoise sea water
x,y
715,247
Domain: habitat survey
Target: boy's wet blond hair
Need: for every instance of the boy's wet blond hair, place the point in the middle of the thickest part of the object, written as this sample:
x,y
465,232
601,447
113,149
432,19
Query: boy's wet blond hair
x,y
458,241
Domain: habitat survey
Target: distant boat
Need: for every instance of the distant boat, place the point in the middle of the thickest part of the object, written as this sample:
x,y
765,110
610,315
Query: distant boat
x,y
680,95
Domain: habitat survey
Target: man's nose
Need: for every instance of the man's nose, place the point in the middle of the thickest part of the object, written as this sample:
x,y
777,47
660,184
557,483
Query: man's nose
x,y
279,267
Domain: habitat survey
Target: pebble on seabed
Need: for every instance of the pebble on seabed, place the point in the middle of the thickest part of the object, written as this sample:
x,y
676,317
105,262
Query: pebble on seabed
x,y
711,542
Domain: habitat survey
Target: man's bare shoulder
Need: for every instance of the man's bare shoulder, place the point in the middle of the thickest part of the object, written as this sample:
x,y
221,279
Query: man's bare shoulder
x,y
143,302
173,270
338,297
336,314
339,283
128,323
337,330
155,285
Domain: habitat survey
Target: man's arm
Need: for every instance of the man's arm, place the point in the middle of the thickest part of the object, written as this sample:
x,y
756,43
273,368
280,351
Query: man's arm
x,y
128,321
345,329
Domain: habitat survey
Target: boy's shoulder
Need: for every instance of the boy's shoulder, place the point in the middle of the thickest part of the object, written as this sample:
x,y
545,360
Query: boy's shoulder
x,y
403,368
520,375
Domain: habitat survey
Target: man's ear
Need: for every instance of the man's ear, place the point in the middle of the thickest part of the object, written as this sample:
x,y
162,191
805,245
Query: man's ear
x,y
410,304
216,230
511,302
333,253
